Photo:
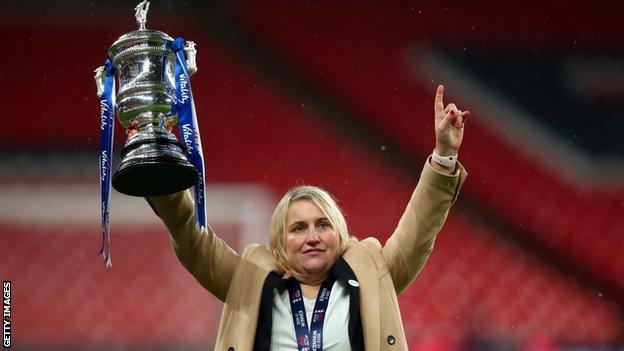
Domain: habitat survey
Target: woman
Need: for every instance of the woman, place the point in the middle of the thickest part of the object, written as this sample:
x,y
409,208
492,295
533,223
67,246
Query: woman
x,y
313,286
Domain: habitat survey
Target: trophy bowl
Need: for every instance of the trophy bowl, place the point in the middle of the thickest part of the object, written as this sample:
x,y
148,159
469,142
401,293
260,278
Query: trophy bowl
x,y
153,161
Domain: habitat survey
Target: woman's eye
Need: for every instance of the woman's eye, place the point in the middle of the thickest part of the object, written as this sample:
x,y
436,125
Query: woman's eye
x,y
299,229
324,225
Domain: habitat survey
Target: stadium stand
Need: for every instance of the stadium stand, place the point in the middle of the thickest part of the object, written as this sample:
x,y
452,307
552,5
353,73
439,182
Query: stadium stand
x,y
335,47
481,282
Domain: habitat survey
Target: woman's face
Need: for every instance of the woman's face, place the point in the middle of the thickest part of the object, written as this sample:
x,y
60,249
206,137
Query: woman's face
x,y
311,244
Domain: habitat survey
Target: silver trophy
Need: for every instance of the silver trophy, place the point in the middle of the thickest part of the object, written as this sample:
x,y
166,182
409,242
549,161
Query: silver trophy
x,y
153,162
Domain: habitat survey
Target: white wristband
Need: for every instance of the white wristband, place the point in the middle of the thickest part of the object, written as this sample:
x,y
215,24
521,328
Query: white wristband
x,y
444,161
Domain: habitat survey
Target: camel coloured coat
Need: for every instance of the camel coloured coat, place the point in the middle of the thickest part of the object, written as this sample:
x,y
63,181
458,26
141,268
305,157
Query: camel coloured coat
x,y
383,271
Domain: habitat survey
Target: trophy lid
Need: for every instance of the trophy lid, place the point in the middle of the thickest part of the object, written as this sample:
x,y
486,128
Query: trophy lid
x,y
139,41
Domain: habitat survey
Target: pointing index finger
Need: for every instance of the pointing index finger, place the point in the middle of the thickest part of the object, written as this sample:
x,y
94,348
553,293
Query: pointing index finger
x,y
439,99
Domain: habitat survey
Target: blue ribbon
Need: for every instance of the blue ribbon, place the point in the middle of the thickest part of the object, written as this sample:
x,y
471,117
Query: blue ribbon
x,y
107,123
309,339
188,128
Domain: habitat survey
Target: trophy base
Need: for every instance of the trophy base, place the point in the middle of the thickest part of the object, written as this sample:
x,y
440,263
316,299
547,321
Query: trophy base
x,y
154,165
154,179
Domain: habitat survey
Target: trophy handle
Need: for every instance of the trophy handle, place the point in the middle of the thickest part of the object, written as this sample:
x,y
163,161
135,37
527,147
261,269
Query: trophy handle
x,y
99,80
191,54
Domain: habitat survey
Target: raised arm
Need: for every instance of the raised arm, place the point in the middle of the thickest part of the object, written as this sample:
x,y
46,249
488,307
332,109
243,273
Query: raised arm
x,y
207,257
407,250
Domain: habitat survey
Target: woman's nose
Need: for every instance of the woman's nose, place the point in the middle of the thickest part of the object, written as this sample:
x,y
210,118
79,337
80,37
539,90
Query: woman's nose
x,y
312,236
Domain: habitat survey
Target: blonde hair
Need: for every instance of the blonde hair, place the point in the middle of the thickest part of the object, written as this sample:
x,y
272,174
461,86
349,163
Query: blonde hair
x,y
321,199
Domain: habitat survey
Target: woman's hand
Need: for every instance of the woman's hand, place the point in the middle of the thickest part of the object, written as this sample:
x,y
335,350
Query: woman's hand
x,y
449,125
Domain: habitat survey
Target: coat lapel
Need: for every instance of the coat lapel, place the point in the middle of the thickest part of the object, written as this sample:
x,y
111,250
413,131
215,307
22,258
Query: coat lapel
x,y
360,262
342,272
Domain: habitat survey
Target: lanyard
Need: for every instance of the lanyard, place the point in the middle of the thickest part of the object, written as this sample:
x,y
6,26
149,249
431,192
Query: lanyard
x,y
309,339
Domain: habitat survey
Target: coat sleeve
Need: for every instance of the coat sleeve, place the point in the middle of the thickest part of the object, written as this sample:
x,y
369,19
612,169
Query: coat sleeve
x,y
407,250
207,257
